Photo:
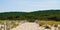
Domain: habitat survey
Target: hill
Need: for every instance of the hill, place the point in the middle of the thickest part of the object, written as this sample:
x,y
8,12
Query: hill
x,y
36,15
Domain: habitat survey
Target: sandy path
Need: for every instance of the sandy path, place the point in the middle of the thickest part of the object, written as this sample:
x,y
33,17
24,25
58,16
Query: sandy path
x,y
27,26
30,26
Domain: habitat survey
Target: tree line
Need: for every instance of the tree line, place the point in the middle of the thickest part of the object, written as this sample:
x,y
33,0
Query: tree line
x,y
36,15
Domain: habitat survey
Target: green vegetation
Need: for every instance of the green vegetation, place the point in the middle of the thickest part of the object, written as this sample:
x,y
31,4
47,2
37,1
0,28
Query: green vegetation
x,y
44,17
53,15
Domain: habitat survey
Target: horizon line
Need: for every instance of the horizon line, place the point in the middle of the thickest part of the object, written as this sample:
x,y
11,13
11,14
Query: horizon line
x,y
30,11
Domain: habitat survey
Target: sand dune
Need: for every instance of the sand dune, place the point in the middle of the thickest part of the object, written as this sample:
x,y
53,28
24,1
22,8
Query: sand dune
x,y
27,26
30,26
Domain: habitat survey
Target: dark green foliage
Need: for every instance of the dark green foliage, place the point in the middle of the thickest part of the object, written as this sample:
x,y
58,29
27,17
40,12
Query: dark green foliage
x,y
37,15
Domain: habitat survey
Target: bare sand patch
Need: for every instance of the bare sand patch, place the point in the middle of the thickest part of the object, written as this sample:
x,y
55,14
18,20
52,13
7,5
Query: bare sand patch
x,y
27,26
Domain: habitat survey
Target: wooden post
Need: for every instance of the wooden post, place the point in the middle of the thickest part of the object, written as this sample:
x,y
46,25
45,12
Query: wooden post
x,y
0,27
5,27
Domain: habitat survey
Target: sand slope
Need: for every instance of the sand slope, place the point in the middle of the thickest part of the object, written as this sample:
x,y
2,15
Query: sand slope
x,y
27,26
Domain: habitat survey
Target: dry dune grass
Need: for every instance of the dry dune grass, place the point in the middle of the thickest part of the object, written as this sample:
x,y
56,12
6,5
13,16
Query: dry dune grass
x,y
15,23
49,22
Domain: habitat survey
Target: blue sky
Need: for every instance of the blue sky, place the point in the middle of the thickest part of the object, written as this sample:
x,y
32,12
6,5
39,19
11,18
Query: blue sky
x,y
28,5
